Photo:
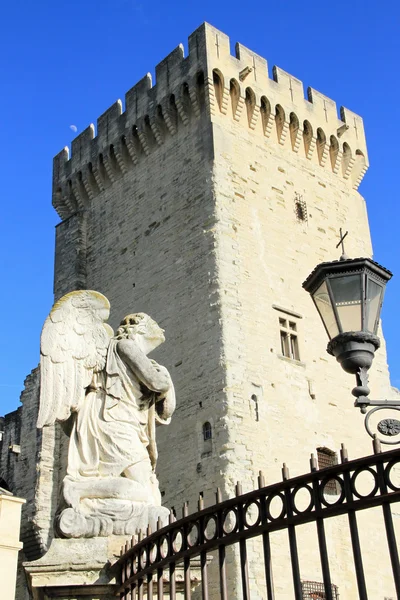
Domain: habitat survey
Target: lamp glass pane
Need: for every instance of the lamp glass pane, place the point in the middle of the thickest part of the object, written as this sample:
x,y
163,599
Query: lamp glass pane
x,y
373,301
347,295
323,303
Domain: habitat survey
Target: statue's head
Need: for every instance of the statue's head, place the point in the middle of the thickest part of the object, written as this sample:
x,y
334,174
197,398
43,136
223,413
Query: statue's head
x,y
143,328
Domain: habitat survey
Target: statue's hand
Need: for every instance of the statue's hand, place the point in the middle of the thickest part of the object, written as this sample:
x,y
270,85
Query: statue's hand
x,y
163,373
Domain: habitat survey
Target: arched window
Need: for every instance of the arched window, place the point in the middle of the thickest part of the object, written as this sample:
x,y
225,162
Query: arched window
x,y
173,111
321,141
234,92
250,104
162,126
307,136
151,141
186,98
265,112
207,431
279,120
293,128
333,150
113,158
358,169
346,157
200,89
218,87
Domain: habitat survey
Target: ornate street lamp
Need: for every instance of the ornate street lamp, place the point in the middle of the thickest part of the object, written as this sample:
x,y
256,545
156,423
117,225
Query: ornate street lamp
x,y
348,294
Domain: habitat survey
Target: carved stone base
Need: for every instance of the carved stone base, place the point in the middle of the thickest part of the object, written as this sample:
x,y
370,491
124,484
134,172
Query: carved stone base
x,y
83,569
110,517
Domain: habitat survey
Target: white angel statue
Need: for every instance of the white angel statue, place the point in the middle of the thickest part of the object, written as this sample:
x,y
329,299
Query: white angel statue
x,y
115,395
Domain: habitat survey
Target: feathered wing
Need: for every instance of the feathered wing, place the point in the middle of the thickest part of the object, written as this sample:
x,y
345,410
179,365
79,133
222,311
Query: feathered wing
x,y
73,346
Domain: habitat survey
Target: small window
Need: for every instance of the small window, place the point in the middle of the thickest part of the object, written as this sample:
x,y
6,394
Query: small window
x,y
207,431
328,458
289,339
315,590
300,208
218,87
234,91
255,401
279,121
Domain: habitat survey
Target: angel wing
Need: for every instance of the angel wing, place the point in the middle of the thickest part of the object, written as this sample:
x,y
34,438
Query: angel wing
x,y
73,346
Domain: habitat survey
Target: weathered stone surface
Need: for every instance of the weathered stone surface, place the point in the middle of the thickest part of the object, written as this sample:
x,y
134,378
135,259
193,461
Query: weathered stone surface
x,y
113,396
74,569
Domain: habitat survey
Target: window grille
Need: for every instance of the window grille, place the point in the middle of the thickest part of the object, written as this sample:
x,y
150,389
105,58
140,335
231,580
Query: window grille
x,y
207,431
315,590
289,340
300,208
328,458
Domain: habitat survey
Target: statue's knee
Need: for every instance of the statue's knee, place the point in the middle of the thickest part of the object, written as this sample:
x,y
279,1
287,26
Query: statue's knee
x,y
140,472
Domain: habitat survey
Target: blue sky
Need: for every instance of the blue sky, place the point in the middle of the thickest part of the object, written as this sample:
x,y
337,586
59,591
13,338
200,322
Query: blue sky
x,y
64,63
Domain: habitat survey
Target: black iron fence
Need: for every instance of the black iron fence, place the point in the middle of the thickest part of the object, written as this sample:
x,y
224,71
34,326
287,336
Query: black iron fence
x,y
148,565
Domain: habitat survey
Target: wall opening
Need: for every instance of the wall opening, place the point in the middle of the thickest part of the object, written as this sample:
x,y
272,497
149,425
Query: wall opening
x,y
321,142
200,89
187,104
300,208
333,151
250,101
279,120
255,401
173,111
289,342
151,140
307,136
358,168
265,113
234,92
346,157
207,431
293,128
218,87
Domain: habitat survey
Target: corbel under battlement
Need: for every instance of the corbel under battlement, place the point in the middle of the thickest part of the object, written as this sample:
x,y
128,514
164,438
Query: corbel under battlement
x,y
212,81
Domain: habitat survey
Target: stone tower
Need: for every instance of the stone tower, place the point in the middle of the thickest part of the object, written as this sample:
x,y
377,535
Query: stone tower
x,y
206,203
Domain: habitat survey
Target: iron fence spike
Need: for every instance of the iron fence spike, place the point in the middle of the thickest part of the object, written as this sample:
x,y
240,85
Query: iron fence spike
x,y
376,444
313,463
285,472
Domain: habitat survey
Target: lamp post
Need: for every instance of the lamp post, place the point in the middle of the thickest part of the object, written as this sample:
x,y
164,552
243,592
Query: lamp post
x,y
348,294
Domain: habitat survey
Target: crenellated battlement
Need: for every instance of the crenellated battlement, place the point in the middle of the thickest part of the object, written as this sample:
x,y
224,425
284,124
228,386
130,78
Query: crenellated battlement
x,y
213,82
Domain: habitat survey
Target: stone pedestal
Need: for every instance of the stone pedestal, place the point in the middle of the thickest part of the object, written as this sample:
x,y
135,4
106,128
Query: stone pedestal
x,y
10,519
75,569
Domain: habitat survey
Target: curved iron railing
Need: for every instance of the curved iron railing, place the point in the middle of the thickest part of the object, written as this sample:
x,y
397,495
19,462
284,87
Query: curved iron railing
x,y
151,562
